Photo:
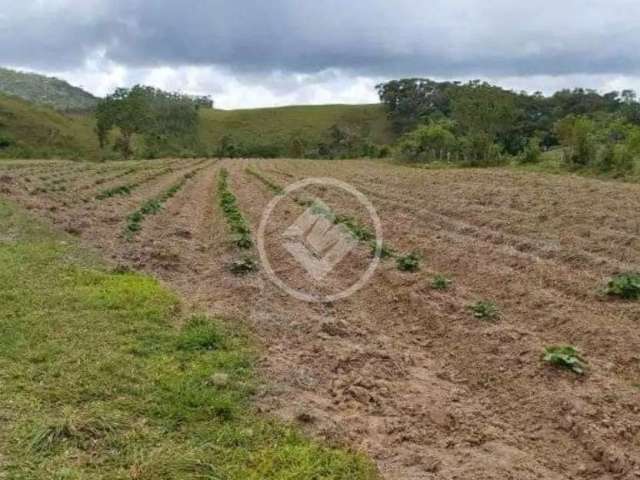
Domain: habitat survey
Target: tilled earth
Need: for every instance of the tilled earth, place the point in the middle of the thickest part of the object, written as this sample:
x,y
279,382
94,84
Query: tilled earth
x,y
399,369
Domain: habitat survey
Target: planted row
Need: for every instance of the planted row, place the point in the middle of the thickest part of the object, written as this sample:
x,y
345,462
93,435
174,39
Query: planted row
x,y
153,206
275,188
126,189
239,226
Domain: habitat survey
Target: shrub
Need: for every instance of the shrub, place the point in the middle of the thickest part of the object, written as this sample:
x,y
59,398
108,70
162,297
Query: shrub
x,y
6,140
531,153
485,310
427,143
565,357
409,262
626,285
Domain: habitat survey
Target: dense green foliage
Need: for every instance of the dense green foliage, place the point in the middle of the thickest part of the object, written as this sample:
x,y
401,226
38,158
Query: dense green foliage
x,y
163,119
479,124
103,377
47,91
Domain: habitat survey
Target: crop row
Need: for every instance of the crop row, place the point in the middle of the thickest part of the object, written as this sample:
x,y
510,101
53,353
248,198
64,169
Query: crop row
x,y
239,226
154,205
126,189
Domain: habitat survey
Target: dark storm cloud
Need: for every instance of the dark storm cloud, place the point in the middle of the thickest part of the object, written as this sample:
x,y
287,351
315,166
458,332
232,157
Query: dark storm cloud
x,y
370,37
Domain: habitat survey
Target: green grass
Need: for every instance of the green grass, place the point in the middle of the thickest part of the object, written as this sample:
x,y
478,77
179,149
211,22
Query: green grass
x,y
41,132
103,377
278,125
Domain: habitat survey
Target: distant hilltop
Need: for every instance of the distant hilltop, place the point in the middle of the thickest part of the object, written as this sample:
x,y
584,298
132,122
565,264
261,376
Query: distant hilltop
x,y
44,90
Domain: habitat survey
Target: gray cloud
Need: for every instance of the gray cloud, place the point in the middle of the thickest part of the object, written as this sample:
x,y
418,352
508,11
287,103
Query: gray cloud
x,y
368,37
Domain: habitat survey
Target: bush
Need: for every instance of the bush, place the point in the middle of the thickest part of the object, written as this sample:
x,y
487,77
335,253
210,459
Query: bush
x,y
6,140
531,153
428,143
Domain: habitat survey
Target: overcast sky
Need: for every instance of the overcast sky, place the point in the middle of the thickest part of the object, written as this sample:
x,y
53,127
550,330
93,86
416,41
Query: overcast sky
x,y
248,53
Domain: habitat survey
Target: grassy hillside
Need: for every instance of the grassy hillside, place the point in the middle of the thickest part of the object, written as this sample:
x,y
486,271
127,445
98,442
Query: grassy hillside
x,y
31,131
267,125
45,91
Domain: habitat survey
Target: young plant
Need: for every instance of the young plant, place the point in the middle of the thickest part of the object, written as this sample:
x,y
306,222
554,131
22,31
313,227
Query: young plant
x,y
409,262
244,265
626,285
440,282
565,357
485,310
385,251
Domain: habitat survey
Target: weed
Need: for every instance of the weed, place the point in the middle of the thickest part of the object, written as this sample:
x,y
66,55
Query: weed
x,y
385,250
626,285
485,310
440,282
409,262
244,265
566,357
359,231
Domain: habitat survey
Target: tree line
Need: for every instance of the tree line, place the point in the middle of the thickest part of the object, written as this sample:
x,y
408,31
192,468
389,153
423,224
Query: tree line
x,y
477,123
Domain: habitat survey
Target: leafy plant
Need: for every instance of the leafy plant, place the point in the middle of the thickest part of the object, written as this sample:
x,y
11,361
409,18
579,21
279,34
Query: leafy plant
x,y
440,282
626,285
485,310
566,357
409,262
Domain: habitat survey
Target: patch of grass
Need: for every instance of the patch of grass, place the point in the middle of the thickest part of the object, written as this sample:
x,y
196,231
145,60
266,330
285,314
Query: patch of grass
x,y
275,188
626,285
409,262
102,378
485,310
237,223
565,357
440,282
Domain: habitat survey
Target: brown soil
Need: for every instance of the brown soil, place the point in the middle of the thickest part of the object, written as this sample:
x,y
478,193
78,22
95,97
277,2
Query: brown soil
x,y
400,370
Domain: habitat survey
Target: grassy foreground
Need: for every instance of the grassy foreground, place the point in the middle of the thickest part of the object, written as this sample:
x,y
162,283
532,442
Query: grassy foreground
x,y
103,377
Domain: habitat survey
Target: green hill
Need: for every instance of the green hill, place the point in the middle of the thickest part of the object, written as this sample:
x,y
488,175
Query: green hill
x,y
270,125
32,131
45,91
